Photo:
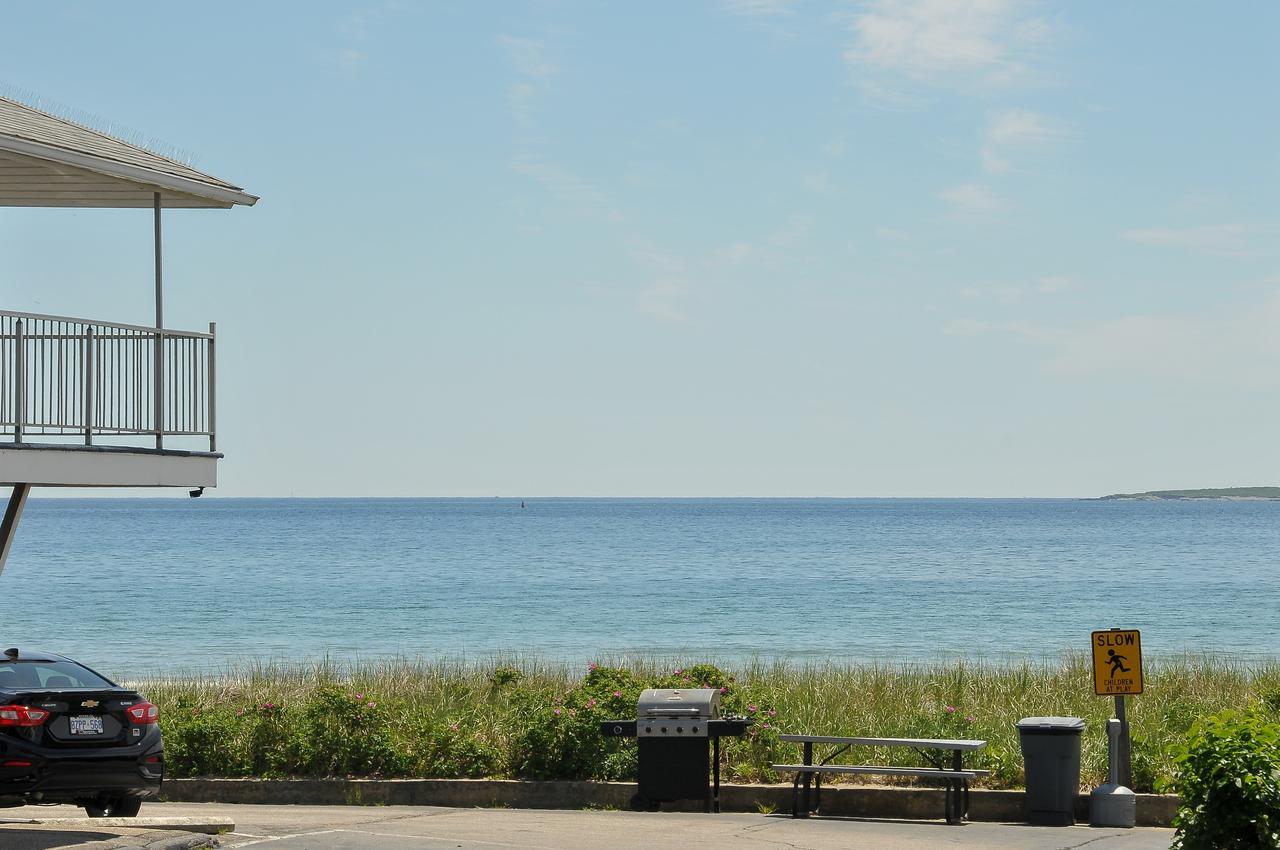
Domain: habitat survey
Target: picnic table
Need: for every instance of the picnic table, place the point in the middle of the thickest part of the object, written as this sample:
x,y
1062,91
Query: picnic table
x,y
945,758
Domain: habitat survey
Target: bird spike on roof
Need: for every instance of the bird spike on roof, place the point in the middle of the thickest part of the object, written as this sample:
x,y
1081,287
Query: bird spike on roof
x,y
52,162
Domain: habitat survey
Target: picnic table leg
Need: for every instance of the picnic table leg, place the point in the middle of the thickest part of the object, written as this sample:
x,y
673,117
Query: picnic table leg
x,y
808,778
956,791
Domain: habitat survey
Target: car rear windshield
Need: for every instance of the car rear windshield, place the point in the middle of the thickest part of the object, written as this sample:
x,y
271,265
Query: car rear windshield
x,y
23,675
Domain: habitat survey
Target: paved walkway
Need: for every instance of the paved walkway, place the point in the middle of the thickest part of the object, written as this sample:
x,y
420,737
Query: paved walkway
x,y
429,828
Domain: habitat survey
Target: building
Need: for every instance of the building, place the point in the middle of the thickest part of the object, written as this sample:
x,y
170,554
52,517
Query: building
x,y
90,403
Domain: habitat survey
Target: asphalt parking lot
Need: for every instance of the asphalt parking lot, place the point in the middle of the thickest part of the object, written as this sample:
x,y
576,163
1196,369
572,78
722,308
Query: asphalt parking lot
x,y
431,828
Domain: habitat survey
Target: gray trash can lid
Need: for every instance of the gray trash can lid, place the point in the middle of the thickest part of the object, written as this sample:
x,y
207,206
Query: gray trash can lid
x,y
1051,726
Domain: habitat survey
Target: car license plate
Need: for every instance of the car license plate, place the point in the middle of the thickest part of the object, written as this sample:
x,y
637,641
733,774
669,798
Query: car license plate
x,y
86,725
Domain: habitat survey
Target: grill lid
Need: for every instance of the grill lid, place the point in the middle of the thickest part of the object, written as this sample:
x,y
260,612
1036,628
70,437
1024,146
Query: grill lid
x,y
703,703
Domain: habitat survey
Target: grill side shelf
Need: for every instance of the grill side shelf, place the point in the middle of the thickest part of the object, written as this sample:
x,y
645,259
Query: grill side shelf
x,y
724,727
618,728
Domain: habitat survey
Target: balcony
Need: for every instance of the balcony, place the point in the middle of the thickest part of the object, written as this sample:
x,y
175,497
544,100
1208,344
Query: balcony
x,y
85,403
89,403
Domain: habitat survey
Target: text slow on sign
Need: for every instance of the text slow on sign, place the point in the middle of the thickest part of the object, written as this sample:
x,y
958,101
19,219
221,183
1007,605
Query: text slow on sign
x,y
1117,662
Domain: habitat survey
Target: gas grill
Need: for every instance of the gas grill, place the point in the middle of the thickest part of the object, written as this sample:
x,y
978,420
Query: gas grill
x,y
678,733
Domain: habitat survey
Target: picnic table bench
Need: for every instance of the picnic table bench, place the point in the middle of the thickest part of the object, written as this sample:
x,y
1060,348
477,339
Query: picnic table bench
x,y
946,758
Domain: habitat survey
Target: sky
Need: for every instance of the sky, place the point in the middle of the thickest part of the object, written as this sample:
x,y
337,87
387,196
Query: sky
x,y
721,248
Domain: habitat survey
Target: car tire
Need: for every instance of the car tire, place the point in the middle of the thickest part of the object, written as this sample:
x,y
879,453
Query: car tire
x,y
114,807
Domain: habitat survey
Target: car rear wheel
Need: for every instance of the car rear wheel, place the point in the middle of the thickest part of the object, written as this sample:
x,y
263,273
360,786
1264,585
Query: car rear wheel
x,y
114,807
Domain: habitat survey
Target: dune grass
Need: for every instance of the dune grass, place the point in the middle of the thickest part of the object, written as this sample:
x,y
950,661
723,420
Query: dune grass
x,y
531,718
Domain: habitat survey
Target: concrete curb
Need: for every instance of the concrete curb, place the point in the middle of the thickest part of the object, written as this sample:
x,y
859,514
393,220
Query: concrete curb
x,y
206,826
846,800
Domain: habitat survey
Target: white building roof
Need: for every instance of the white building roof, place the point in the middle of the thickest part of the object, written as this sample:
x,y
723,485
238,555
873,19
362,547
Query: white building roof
x,y
47,161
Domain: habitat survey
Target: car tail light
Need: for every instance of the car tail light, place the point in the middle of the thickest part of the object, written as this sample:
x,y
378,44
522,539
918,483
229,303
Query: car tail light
x,y
15,763
22,715
143,713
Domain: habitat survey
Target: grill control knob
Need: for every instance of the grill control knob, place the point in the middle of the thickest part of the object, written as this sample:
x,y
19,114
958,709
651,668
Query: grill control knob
x,y
664,728
679,728
694,730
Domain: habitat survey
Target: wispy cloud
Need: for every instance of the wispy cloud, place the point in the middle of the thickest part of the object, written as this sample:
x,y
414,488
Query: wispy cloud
x,y
528,58
1236,344
350,59
665,299
666,294
944,43
560,181
758,8
1019,293
973,200
1013,130
1223,240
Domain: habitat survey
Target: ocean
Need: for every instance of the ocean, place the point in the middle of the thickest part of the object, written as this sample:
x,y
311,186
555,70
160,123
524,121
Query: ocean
x,y
164,586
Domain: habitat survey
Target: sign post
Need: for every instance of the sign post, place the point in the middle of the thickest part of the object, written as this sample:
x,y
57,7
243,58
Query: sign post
x,y
1117,672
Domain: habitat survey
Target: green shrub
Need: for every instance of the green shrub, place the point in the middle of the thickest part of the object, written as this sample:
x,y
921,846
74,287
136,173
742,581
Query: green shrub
x,y
201,741
1229,781
445,751
343,733
305,720
560,738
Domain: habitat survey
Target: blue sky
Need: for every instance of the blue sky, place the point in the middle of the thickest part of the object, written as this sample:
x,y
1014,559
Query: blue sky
x,y
752,247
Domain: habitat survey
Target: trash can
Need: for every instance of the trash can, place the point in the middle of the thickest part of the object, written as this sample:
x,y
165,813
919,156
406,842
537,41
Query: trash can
x,y
1051,755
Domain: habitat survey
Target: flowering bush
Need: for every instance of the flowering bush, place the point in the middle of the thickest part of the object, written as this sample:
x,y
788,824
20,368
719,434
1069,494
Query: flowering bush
x,y
561,739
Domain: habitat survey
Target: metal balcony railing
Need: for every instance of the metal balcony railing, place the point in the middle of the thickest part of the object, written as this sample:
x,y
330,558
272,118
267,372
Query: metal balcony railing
x,y
81,378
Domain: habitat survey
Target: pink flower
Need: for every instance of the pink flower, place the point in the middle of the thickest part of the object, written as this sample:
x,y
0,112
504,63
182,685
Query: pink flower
x,y
453,726
724,690
372,704
679,671
705,685
970,718
240,713
751,709
617,693
951,709
592,666
591,703
773,713
557,712
359,696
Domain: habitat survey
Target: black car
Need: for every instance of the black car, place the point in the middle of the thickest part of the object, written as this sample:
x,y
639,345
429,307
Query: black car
x,y
70,735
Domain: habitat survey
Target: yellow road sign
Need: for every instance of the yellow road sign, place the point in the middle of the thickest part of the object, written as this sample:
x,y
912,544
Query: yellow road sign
x,y
1117,662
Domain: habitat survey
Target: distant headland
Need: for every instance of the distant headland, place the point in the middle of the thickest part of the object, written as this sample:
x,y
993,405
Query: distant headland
x,y
1230,494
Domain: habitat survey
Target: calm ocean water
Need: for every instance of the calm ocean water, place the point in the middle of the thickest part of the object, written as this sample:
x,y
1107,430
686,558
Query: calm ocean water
x,y
185,584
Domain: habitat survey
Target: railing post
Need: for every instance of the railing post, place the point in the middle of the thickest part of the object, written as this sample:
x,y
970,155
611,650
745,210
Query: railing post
x,y
89,367
213,390
19,381
158,394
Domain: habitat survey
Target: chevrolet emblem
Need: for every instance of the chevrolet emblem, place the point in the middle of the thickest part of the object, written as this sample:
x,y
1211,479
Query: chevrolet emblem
x,y
89,703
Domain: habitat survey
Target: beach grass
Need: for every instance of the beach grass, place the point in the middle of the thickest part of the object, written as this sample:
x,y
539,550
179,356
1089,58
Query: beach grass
x,y
525,717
